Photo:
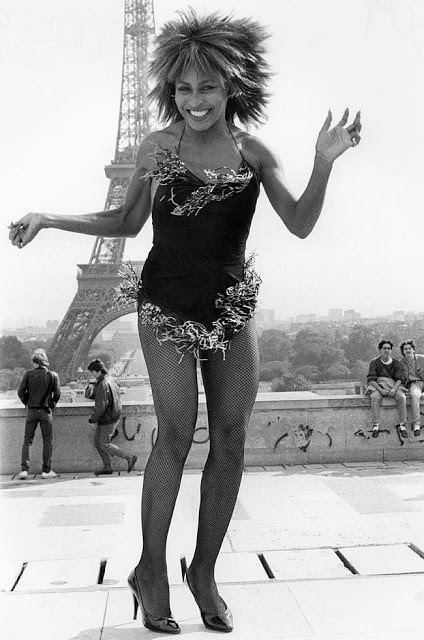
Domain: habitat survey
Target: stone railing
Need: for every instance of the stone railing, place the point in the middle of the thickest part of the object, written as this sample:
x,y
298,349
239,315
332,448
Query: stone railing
x,y
284,429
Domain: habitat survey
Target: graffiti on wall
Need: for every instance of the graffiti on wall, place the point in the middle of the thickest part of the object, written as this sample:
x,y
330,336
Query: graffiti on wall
x,y
131,431
300,435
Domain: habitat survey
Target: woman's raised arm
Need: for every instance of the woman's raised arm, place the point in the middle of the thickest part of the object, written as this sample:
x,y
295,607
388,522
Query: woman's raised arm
x,y
300,216
123,221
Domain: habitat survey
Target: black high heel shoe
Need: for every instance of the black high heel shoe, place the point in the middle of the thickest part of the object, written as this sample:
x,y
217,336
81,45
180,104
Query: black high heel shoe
x,y
215,621
163,625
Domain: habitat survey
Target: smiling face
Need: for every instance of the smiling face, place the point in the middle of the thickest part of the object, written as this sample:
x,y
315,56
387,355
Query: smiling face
x,y
200,99
408,351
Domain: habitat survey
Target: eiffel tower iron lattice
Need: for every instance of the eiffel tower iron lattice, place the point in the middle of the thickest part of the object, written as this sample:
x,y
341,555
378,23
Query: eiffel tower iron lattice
x,y
96,302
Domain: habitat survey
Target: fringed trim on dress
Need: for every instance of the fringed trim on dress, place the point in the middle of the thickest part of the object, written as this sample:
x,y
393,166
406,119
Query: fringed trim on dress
x,y
236,306
222,183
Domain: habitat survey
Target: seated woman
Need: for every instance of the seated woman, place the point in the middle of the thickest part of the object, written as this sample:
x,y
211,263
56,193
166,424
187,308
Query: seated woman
x,y
415,381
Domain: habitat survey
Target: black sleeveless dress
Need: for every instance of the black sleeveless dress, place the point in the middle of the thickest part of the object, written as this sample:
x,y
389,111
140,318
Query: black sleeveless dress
x,y
196,288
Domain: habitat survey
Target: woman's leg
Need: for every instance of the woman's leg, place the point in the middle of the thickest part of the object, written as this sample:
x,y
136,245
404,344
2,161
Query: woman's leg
x,y
231,386
175,396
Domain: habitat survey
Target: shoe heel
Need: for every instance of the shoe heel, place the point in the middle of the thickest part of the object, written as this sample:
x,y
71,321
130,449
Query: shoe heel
x,y
135,602
164,624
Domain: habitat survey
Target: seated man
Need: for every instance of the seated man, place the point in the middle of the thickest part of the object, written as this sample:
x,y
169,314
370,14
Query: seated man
x,y
384,379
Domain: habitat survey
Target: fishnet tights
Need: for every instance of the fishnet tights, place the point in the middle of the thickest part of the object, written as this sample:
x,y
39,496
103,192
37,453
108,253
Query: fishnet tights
x,y
230,387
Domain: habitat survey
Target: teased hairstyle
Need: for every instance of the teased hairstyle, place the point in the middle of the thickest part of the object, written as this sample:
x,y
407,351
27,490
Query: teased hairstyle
x,y
40,357
232,49
382,342
403,345
97,365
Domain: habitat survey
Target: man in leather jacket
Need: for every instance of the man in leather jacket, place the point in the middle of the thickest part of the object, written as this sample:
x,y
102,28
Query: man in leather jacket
x,y
39,391
106,416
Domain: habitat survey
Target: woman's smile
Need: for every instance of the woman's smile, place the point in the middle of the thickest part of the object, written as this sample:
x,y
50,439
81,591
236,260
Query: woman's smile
x,y
200,98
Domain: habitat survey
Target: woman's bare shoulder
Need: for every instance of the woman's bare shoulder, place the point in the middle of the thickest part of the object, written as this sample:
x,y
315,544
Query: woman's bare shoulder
x,y
166,138
252,148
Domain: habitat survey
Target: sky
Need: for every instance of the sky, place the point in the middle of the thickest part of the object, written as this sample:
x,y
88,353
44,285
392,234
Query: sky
x,y
60,70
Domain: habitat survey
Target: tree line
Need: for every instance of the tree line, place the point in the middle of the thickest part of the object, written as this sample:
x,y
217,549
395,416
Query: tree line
x,y
293,361
290,361
15,357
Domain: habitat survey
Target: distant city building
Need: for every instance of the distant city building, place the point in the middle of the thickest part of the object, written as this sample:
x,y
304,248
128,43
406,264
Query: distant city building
x,y
351,315
27,331
265,317
52,325
410,316
398,316
118,327
335,315
306,318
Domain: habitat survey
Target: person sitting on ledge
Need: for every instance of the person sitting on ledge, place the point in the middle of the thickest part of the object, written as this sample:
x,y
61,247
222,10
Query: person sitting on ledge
x,y
385,377
414,362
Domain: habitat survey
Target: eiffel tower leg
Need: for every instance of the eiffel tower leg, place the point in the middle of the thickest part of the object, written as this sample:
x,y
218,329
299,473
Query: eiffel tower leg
x,y
94,306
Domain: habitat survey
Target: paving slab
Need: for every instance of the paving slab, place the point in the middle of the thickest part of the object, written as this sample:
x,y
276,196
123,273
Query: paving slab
x,y
386,559
59,574
52,616
278,511
85,514
260,611
305,564
363,605
238,567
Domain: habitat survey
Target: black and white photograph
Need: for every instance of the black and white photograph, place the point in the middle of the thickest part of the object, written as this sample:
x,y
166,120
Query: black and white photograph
x,y
212,328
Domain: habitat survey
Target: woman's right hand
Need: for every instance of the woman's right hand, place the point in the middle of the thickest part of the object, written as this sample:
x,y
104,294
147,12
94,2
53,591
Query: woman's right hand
x,y
25,230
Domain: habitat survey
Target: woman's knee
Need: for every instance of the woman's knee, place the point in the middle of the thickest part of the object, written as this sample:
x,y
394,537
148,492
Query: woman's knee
x,y
228,443
173,444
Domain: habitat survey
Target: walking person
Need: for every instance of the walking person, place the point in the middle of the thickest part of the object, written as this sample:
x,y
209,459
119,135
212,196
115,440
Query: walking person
x,y
106,417
39,391
200,177
414,363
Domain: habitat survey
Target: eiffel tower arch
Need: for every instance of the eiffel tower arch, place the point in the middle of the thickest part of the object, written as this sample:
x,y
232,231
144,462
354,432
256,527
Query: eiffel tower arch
x,y
96,302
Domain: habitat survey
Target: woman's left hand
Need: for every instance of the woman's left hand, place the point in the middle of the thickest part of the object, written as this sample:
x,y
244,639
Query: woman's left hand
x,y
331,143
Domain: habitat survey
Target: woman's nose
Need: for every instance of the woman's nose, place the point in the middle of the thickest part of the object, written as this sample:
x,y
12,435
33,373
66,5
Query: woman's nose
x,y
196,99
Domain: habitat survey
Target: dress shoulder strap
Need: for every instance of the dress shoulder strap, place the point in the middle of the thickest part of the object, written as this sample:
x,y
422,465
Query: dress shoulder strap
x,y
180,138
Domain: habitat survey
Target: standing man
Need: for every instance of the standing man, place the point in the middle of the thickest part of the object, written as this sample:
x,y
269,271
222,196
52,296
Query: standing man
x,y
39,391
106,416
385,377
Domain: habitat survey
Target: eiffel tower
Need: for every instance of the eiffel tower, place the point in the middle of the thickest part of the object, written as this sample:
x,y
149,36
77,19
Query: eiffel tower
x,y
96,302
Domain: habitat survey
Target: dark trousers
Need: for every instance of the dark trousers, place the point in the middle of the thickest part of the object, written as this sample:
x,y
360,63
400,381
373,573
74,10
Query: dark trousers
x,y
35,417
103,444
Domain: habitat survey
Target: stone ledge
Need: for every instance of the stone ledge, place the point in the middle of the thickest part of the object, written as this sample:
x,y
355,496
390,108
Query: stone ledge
x,y
308,430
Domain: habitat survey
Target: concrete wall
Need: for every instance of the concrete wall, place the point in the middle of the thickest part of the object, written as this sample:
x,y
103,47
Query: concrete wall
x,y
283,430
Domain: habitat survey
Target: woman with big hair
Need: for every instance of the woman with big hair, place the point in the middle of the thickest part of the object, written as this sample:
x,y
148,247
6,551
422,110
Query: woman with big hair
x,y
200,177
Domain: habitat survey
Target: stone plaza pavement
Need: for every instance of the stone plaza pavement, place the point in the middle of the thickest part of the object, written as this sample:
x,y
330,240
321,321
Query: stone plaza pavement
x,y
329,552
